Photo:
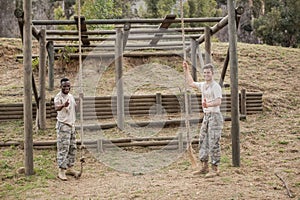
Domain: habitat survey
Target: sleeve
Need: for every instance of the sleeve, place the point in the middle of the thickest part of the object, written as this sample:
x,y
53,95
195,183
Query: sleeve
x,y
217,91
56,100
199,85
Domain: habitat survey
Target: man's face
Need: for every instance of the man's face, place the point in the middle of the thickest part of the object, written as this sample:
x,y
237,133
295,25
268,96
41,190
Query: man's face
x,y
65,87
207,74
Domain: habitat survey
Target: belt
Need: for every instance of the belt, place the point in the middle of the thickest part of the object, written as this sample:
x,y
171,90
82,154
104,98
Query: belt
x,y
66,124
211,113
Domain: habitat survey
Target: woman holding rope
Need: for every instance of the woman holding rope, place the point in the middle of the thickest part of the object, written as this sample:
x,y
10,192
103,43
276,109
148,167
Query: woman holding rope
x,y
212,124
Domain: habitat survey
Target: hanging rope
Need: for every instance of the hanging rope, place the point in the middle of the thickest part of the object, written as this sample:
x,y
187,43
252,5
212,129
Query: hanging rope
x,y
186,99
81,90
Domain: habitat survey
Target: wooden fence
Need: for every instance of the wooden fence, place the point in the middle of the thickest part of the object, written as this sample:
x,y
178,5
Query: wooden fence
x,y
139,105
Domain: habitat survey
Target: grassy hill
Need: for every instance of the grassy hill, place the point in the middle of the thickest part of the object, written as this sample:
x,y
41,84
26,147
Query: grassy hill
x,y
269,141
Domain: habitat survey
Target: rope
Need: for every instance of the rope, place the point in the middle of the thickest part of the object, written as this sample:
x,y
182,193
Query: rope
x,y
187,121
80,86
182,30
186,100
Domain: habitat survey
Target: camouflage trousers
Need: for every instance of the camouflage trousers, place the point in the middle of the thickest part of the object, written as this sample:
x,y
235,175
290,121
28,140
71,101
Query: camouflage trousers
x,y
210,135
66,145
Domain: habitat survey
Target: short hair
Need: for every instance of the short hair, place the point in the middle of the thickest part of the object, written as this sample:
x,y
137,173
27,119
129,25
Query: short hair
x,y
64,80
209,66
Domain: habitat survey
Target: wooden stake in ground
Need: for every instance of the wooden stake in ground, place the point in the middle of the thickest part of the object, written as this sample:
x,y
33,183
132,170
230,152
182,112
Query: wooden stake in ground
x,y
190,150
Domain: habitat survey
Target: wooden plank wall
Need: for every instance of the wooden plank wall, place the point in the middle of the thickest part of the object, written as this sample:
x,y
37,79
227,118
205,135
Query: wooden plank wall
x,y
137,105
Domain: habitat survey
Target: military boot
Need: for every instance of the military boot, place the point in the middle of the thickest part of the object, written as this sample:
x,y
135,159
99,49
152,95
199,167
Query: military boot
x,y
203,170
214,172
62,174
70,171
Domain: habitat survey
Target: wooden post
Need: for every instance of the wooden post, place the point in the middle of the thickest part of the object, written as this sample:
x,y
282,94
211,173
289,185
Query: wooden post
x,y
207,33
50,50
100,146
243,102
194,47
239,11
225,66
119,78
127,27
235,123
158,104
42,80
27,49
189,98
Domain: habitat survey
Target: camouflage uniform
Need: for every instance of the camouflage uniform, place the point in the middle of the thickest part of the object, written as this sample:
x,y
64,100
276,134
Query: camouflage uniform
x,y
65,129
211,129
210,135
66,145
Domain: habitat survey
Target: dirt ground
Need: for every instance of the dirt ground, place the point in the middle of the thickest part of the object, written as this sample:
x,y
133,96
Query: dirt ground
x,y
269,141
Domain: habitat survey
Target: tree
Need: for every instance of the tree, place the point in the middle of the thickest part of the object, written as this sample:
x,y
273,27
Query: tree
x,y
165,7
281,23
100,9
151,9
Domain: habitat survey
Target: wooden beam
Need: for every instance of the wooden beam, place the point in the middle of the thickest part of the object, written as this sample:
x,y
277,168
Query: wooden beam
x,y
42,80
123,21
51,58
194,46
163,26
207,45
119,79
132,31
235,123
99,39
84,38
126,34
27,49
225,66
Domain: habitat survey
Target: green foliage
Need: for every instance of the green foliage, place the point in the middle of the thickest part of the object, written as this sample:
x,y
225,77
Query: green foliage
x,y
281,23
100,9
151,9
35,63
201,8
65,54
164,7
192,8
59,13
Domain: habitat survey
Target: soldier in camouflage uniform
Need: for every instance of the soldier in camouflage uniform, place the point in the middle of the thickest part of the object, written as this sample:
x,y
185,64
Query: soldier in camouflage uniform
x,y
65,106
212,124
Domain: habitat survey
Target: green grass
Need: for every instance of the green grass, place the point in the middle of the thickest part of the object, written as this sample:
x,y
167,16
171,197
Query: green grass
x,y
14,184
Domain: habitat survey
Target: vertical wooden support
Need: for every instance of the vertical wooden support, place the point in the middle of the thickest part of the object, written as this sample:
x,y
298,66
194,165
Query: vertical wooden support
x,y
243,102
225,66
207,33
50,50
239,11
100,146
27,49
194,47
127,27
180,142
119,78
189,97
158,104
235,123
42,80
